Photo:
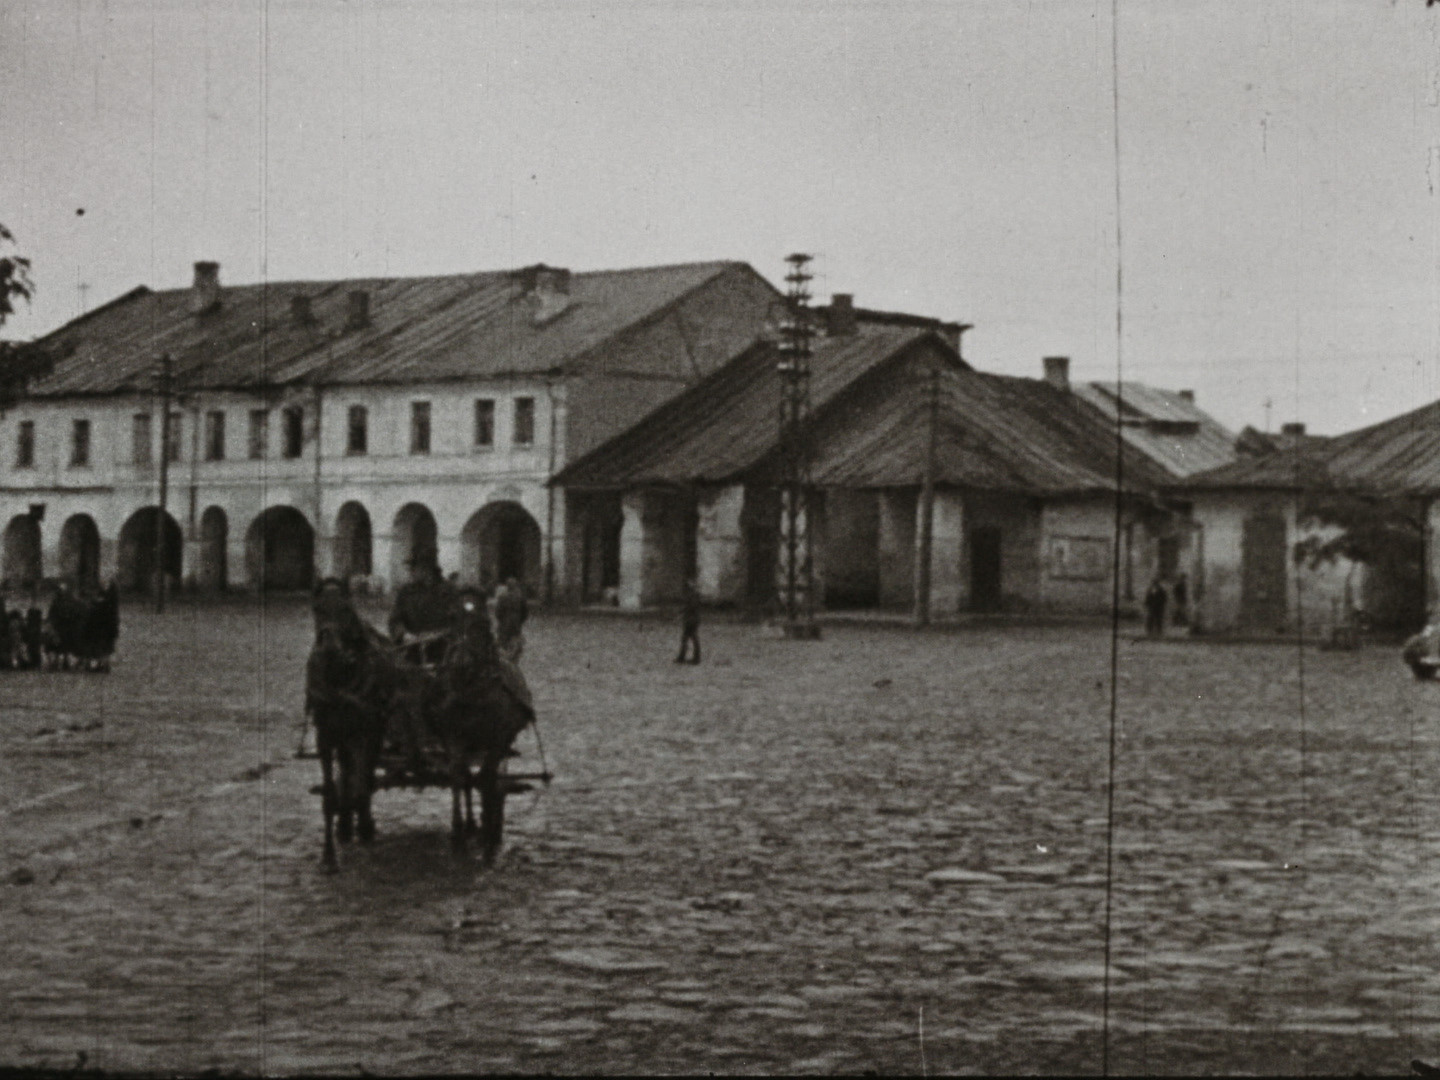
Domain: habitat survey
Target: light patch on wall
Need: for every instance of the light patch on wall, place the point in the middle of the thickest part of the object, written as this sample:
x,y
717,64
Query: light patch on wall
x,y
1078,558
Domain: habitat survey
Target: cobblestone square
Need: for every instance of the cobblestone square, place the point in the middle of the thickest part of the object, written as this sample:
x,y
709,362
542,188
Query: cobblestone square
x,y
885,850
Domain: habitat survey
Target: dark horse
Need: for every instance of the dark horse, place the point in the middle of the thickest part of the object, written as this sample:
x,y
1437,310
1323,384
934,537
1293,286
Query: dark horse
x,y
483,705
348,681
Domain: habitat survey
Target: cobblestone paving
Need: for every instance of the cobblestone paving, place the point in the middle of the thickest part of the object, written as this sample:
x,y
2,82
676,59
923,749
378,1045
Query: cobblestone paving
x,y
885,850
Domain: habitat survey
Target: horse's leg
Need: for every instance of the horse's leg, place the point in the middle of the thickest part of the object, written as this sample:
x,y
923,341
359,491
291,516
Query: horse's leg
x,y
492,809
346,828
327,798
459,777
470,826
365,783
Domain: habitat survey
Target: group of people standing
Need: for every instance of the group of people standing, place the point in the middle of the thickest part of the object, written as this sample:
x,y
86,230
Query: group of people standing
x,y
1159,597
78,629
22,637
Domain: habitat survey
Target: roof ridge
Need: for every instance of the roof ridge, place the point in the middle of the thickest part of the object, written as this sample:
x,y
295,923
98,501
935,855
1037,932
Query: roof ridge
x,y
462,275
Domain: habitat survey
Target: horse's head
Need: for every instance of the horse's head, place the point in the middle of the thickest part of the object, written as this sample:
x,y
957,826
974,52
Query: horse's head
x,y
338,629
475,632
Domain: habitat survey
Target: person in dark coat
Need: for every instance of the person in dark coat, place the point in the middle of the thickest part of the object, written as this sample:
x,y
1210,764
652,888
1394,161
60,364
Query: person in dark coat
x,y
1182,601
1155,600
426,605
690,623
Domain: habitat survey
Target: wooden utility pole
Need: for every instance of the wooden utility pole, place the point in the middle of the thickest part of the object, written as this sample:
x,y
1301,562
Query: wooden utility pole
x,y
162,515
927,507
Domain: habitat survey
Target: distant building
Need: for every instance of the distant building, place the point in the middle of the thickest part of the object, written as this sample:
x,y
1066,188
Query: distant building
x,y
1024,472
343,427
1285,493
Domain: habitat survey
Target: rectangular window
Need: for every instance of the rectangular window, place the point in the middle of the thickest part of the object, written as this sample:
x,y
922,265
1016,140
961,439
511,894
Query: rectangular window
x,y
25,445
357,440
524,421
419,427
80,444
293,419
174,437
215,436
259,434
140,446
484,422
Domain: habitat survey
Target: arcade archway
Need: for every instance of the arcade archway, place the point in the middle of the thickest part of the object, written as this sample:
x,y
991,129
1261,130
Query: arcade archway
x,y
80,552
136,563
214,557
415,535
500,541
22,552
280,550
353,541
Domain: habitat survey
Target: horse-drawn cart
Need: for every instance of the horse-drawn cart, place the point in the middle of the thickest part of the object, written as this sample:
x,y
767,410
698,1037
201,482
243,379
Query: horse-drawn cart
x,y
442,710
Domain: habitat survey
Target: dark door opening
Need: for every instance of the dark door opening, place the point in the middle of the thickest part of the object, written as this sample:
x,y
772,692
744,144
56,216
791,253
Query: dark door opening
x,y
985,568
601,564
1263,572
510,551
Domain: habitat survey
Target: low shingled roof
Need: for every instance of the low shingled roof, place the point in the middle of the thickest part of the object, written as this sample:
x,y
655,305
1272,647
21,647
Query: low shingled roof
x,y
419,329
726,423
1396,457
870,399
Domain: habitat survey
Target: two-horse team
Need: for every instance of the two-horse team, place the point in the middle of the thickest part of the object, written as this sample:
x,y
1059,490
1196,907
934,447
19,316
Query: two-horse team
x,y
434,704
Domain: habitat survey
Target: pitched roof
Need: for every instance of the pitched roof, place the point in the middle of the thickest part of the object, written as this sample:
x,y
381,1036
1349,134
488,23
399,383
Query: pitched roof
x,y
1165,426
872,426
419,329
727,422
1399,456
993,432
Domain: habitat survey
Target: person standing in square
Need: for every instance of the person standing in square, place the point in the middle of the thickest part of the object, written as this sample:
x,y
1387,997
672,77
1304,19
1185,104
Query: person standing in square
x,y
690,623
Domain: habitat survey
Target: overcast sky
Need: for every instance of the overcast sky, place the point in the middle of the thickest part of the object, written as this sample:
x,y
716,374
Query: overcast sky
x,y
1279,165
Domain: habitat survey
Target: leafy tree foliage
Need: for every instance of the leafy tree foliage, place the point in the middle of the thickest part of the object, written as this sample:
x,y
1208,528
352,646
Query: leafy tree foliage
x,y
15,282
19,360
1373,530
1384,534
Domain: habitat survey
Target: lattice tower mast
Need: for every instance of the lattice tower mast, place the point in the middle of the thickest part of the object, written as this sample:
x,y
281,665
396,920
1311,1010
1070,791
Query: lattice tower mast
x,y
796,570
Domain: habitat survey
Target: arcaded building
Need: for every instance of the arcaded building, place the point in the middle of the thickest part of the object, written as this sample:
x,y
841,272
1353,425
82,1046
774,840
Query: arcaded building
x,y
340,427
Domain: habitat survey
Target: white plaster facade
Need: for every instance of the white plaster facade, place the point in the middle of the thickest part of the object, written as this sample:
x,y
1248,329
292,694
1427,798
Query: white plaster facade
x,y
1235,597
458,482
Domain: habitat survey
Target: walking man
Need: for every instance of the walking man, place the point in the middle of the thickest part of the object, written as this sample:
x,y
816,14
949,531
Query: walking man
x,y
690,623
1155,600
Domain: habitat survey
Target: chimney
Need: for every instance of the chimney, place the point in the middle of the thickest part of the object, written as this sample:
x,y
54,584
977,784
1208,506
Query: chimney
x,y
357,312
1293,430
840,317
552,292
205,293
300,311
1057,371
1187,396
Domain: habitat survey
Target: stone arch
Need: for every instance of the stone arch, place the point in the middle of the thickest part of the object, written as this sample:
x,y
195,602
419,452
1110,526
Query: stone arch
x,y
353,542
80,551
214,557
22,567
136,565
501,540
280,550
415,534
